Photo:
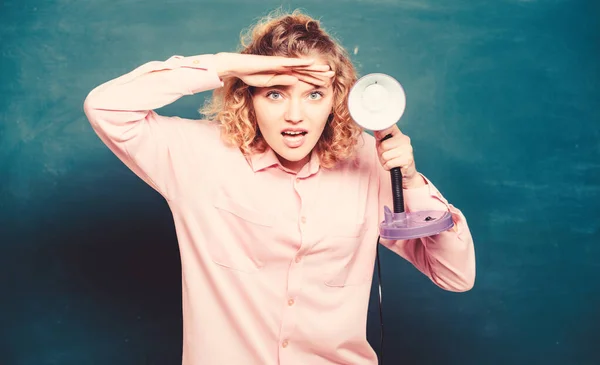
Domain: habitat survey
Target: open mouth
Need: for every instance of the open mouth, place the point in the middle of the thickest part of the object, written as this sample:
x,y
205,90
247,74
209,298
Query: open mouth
x,y
293,139
293,134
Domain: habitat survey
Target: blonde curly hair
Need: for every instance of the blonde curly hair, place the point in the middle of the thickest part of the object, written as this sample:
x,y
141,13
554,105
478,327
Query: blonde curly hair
x,y
289,35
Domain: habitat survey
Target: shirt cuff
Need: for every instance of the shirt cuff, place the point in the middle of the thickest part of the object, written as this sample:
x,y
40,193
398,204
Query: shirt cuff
x,y
426,197
195,81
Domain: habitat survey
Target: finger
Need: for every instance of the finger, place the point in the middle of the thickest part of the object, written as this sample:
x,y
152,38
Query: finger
x,y
324,75
394,153
281,80
398,140
393,130
320,79
314,68
388,144
310,79
404,164
291,62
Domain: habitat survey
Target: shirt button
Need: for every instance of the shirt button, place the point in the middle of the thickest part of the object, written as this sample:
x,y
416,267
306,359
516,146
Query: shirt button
x,y
195,62
291,302
303,219
284,343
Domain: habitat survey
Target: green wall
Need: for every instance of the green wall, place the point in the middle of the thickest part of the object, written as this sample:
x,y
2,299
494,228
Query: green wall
x,y
502,110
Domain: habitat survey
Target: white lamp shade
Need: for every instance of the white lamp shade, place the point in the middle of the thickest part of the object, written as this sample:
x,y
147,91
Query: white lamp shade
x,y
376,101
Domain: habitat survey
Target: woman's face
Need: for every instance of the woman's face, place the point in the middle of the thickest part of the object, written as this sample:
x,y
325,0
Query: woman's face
x,y
292,118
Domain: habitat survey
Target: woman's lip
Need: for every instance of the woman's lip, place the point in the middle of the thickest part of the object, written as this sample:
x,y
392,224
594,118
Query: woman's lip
x,y
294,141
297,133
294,130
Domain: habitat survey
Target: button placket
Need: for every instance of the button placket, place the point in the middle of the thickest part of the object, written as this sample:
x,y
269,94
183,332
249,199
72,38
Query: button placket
x,y
295,271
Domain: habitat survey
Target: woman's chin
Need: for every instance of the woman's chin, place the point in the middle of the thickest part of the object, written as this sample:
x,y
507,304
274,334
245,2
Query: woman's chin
x,y
293,158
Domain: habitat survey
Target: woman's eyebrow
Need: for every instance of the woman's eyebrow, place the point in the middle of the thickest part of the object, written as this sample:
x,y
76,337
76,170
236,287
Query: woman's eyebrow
x,y
287,88
278,87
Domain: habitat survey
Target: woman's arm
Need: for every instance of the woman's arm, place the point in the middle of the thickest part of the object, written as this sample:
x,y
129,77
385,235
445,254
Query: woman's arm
x,y
447,258
121,113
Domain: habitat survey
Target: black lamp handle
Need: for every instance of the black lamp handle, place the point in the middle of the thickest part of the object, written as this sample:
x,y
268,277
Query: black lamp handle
x,y
397,194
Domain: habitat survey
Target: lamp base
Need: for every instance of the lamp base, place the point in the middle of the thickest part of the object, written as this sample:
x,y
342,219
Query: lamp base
x,y
402,226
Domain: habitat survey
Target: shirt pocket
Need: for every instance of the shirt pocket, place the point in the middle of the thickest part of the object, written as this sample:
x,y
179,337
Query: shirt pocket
x,y
351,265
244,235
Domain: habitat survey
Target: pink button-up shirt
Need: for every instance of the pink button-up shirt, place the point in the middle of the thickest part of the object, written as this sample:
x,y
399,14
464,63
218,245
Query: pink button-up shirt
x,y
277,266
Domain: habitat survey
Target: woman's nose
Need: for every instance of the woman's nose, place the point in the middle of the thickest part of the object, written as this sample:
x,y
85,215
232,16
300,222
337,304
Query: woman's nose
x,y
293,113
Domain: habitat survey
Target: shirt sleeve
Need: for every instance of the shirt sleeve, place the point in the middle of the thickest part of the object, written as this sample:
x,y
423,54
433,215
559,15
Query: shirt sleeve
x,y
447,258
121,112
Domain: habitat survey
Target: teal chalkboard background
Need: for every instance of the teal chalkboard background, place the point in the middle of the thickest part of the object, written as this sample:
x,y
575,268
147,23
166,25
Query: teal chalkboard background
x,y
503,101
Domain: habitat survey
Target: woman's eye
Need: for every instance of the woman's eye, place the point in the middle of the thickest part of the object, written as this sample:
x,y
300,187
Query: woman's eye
x,y
315,95
275,95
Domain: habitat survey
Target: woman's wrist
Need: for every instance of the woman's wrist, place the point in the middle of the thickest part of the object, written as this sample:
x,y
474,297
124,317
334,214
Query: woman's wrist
x,y
416,182
223,64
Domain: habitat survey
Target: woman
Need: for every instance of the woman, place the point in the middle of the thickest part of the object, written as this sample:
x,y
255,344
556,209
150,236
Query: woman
x,y
276,197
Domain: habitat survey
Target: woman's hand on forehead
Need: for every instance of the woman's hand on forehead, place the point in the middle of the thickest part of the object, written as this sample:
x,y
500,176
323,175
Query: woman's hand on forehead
x,y
265,71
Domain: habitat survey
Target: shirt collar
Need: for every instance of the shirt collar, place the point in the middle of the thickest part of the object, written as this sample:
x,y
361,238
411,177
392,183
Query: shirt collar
x,y
262,160
268,158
